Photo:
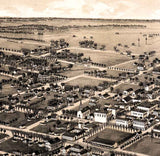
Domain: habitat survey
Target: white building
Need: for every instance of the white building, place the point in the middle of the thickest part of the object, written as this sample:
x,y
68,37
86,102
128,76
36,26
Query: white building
x,y
148,107
102,117
140,124
138,113
123,122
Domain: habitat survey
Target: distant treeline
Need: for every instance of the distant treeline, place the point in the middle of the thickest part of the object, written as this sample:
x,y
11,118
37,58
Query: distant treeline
x,y
13,38
15,19
40,27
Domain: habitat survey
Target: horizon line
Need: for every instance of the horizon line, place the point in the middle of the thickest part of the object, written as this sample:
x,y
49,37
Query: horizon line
x,y
85,18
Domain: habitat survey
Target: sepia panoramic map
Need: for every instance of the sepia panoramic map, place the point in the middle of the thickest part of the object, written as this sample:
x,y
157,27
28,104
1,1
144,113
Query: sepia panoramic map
x,y
80,78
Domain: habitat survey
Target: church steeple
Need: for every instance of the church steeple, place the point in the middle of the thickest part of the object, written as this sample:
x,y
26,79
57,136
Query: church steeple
x,y
80,105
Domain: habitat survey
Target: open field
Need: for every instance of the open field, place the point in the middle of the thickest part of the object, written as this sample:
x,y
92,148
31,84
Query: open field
x,y
18,45
111,135
10,146
109,59
147,145
84,82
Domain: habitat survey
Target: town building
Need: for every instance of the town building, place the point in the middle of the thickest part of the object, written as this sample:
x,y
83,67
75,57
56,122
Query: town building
x,y
102,116
140,124
139,113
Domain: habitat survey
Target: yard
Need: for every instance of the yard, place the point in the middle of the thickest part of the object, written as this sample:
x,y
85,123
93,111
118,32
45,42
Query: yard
x,y
111,135
2,136
82,81
54,126
15,119
147,145
9,146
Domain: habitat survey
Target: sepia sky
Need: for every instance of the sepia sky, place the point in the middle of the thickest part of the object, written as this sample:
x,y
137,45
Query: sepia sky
x,y
130,9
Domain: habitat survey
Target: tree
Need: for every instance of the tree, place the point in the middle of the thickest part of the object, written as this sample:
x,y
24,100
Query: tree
x,y
25,51
111,89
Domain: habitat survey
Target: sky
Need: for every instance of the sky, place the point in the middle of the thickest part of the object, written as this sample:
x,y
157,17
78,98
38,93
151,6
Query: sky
x,y
115,9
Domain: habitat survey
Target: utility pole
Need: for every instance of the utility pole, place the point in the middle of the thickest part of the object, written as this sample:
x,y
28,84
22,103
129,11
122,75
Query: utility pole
x,y
146,40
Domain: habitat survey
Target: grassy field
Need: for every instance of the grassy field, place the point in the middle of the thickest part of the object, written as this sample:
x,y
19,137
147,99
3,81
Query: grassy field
x,y
84,82
7,117
112,135
9,146
125,86
147,145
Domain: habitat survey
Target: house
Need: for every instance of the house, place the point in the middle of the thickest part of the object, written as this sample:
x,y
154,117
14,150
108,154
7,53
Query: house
x,y
140,67
102,116
73,134
156,131
138,113
127,99
122,105
113,110
156,112
128,91
137,92
140,124
123,122
53,144
149,86
76,148
137,99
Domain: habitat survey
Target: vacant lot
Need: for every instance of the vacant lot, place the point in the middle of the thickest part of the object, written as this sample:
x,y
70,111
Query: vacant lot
x,y
76,70
147,145
111,135
84,82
